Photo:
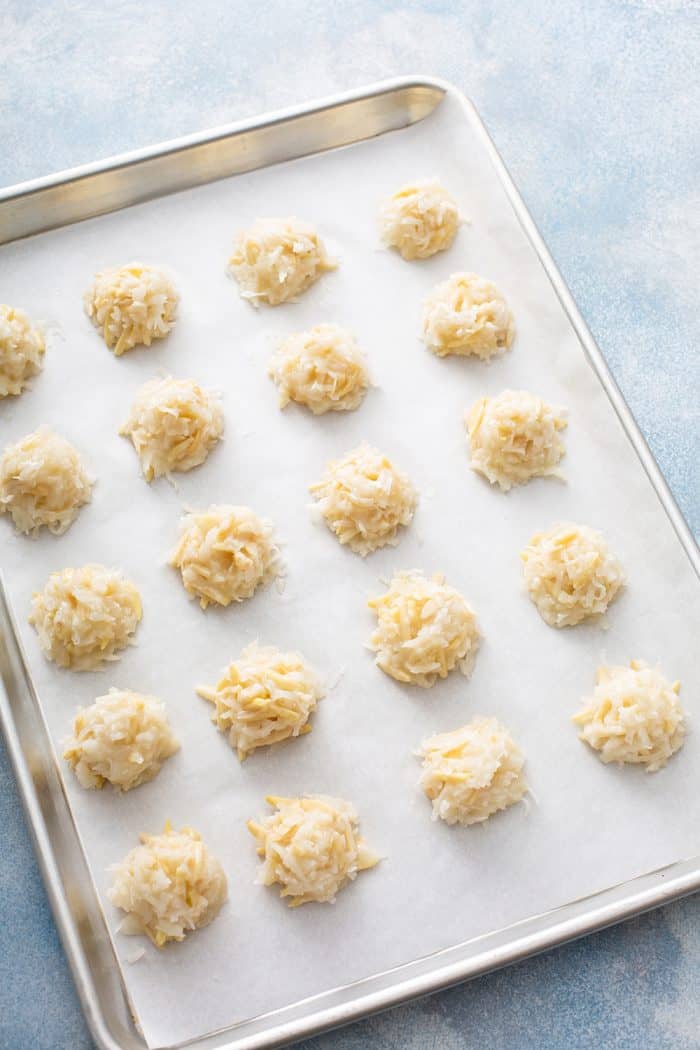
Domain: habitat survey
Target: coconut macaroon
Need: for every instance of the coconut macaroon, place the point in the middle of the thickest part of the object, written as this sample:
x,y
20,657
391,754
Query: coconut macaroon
x,y
122,739
173,425
275,260
263,697
633,716
224,554
419,220
43,483
131,305
310,846
472,772
365,499
515,437
467,315
425,629
168,885
22,348
85,616
570,574
322,369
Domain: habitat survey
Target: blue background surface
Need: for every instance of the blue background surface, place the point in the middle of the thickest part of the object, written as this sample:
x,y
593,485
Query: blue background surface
x,y
594,108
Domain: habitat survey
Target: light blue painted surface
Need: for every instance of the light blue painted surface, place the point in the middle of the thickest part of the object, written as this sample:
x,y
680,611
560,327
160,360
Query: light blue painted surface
x,y
594,108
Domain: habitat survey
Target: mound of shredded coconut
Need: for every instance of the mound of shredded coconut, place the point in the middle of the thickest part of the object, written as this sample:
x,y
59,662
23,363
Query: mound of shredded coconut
x,y
85,616
425,629
123,738
634,715
472,772
277,259
173,425
263,697
419,220
224,554
311,847
468,316
365,499
168,885
43,482
131,305
323,369
515,437
21,350
570,574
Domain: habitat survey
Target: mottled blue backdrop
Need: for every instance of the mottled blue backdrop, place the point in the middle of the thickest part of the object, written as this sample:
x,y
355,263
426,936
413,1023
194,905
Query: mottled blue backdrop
x,y
594,107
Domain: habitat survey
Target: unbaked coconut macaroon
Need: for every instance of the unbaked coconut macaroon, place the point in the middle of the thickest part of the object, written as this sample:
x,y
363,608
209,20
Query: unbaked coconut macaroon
x,y
514,437
365,500
633,716
43,483
467,316
169,885
224,554
263,697
420,219
322,369
472,772
311,847
275,260
131,305
425,629
22,348
570,574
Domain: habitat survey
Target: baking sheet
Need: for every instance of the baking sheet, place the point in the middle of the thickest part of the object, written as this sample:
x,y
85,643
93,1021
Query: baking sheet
x,y
588,826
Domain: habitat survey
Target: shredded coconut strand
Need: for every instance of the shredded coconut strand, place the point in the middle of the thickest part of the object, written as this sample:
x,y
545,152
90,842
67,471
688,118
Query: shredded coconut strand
x,y
468,316
570,574
263,697
123,738
277,259
310,846
425,629
515,437
323,369
22,349
420,219
634,715
43,482
131,305
365,500
168,885
85,616
224,554
472,772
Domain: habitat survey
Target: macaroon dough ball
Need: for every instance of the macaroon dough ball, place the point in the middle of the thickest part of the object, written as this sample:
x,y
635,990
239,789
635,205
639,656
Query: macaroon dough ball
x,y
275,260
420,219
173,425
322,369
224,554
633,716
131,305
168,885
570,574
311,847
425,629
467,315
263,697
122,738
515,437
85,616
22,349
472,772
43,483
365,499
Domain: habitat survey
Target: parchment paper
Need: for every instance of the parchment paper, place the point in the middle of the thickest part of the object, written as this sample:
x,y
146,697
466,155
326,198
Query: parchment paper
x,y
589,826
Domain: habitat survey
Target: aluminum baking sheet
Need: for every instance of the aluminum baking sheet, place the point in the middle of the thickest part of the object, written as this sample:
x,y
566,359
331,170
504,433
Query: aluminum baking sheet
x,y
587,827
